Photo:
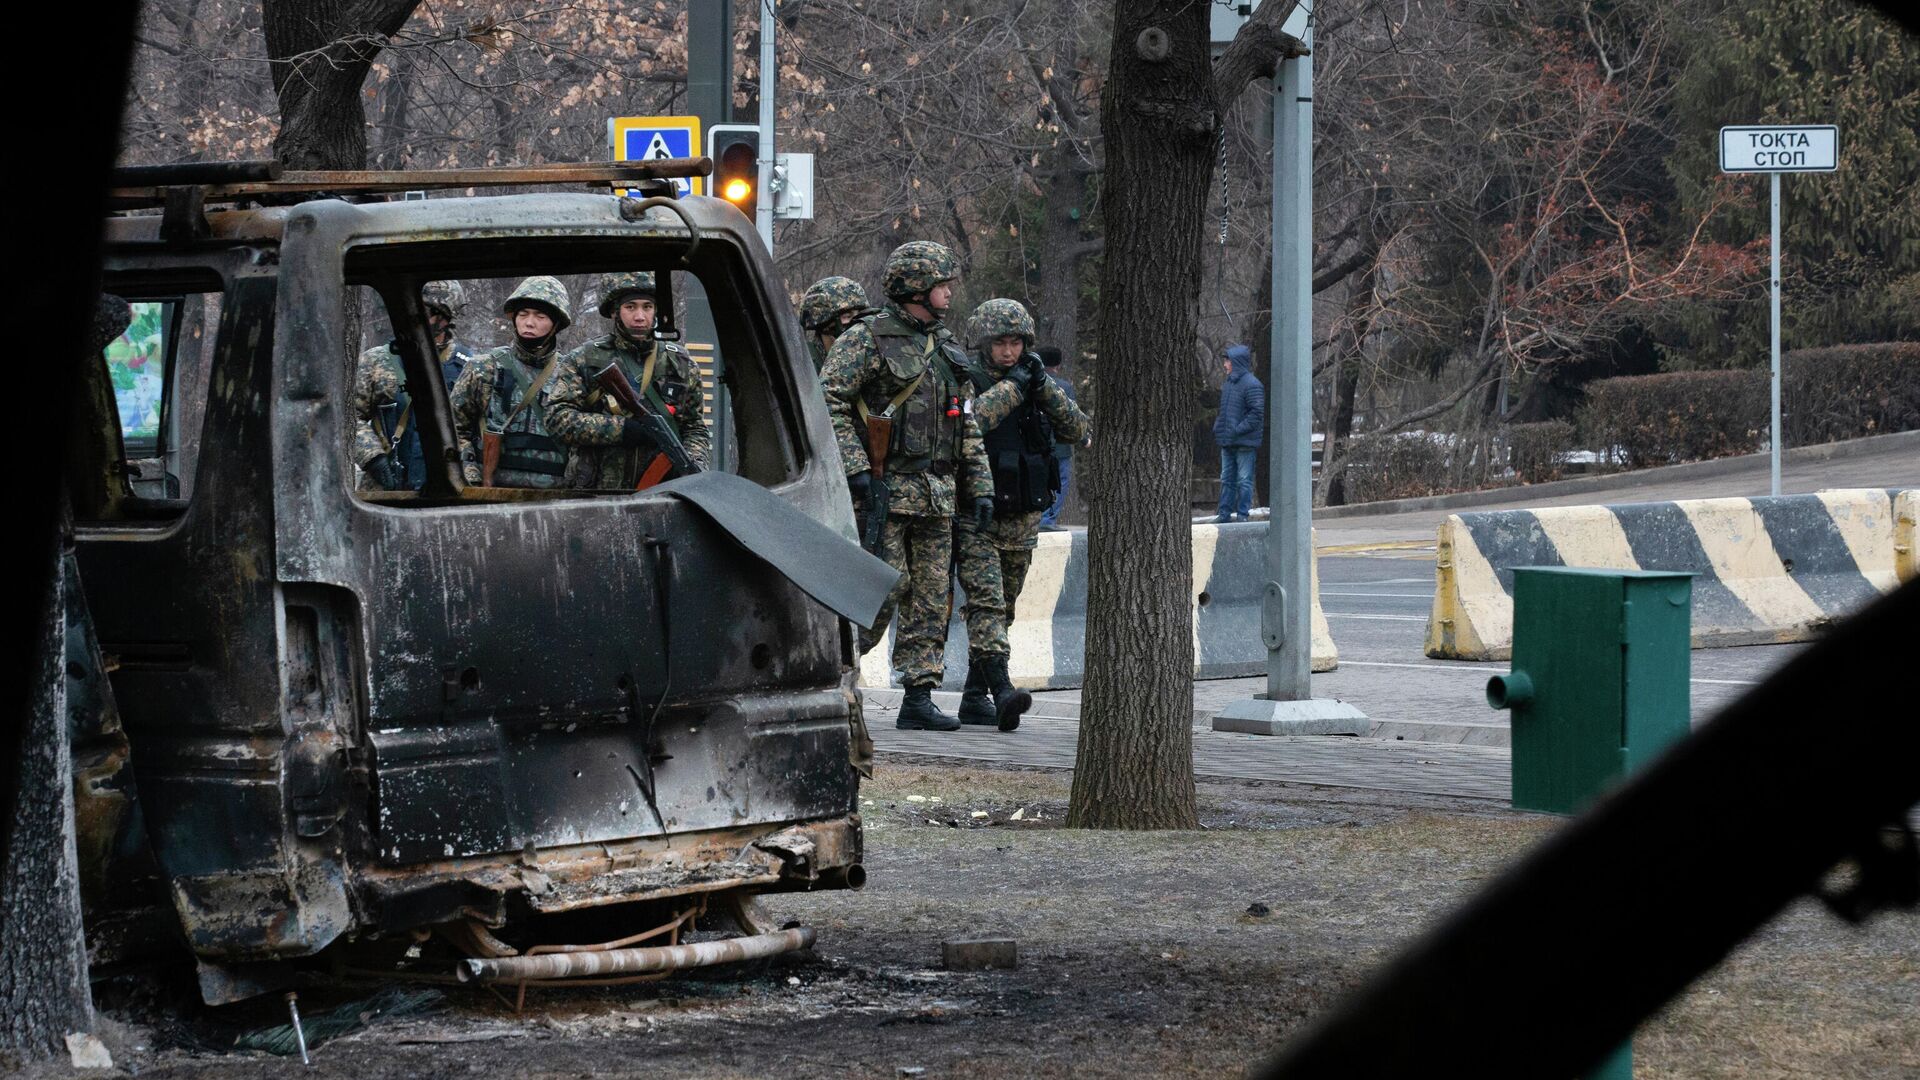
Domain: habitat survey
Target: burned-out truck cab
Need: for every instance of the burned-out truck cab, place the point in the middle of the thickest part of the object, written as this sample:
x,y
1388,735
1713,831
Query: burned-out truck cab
x,y
340,725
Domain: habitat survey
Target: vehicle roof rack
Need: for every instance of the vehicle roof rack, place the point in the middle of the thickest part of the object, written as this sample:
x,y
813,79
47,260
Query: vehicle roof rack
x,y
146,186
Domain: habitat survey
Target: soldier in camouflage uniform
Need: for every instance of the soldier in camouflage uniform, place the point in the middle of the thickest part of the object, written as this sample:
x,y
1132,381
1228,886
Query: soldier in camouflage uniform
x,y
446,301
904,363
830,306
581,416
492,396
1019,436
386,444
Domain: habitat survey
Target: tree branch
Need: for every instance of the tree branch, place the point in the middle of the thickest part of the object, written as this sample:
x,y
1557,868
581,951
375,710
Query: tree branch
x,y
1256,52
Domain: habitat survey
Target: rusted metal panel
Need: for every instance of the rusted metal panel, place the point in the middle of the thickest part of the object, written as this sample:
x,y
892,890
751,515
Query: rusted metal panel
x,y
634,961
596,875
148,191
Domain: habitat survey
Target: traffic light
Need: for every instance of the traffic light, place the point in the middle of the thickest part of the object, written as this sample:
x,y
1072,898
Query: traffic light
x,y
735,150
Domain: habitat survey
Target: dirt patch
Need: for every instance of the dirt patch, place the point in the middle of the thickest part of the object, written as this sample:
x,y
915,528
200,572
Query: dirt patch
x,y
1140,954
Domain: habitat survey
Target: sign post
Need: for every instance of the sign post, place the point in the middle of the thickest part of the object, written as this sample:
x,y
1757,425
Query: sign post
x,y
1775,150
1288,707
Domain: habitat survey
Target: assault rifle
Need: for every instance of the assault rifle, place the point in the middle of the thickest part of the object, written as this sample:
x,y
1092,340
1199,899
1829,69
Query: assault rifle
x,y
879,440
670,459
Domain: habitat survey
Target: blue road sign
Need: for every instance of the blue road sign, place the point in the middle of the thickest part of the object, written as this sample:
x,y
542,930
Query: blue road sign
x,y
646,138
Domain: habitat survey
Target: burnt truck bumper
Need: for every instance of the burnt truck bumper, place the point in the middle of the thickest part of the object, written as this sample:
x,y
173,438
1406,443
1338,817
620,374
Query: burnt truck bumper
x,y
822,854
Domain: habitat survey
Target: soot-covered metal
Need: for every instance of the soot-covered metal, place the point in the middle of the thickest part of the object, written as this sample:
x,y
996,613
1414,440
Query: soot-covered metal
x,y
348,718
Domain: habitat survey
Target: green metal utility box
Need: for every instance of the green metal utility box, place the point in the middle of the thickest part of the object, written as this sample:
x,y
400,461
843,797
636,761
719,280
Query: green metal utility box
x,y
1601,660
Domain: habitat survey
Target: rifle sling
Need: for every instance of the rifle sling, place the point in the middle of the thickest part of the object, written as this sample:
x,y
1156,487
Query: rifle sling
x,y
533,390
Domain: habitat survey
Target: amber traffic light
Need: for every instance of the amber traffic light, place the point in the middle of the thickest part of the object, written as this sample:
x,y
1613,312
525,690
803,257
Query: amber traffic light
x,y
735,150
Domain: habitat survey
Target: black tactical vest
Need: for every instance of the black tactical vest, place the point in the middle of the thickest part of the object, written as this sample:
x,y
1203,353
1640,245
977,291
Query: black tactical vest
x,y
1026,475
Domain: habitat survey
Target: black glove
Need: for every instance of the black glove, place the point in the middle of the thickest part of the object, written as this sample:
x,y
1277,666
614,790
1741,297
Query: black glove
x,y
1033,375
385,472
860,486
634,433
982,514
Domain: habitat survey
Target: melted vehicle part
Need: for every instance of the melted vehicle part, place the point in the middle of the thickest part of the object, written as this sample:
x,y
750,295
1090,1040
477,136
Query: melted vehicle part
x,y
826,565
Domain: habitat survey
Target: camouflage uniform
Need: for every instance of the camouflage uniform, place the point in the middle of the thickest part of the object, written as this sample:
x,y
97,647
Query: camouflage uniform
x,y
992,566
386,420
936,449
583,417
493,386
820,310
451,299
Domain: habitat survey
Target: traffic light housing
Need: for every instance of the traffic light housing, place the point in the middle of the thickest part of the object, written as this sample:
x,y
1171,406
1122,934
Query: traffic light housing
x,y
735,150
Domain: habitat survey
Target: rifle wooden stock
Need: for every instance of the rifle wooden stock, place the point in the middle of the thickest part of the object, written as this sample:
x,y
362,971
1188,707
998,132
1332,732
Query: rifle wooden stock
x,y
879,440
613,383
489,456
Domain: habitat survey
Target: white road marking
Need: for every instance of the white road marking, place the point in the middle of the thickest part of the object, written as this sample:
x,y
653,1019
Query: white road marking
x,y
1382,618
1402,595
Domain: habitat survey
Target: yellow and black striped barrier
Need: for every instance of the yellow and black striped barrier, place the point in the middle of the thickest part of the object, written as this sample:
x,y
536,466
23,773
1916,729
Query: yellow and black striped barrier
x,y
1047,637
1767,569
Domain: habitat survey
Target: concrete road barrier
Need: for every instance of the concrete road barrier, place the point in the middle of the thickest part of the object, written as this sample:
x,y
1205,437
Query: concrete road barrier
x,y
1047,637
1770,569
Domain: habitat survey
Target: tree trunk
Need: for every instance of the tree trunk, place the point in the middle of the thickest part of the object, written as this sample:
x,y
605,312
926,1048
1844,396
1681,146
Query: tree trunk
x,y
322,50
1064,249
1135,761
1347,387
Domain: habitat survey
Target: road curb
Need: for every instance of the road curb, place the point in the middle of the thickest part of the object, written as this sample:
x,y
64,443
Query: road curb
x,y
1581,485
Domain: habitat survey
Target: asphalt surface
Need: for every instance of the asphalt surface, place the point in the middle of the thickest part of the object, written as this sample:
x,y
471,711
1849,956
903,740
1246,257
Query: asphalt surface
x,y
1377,609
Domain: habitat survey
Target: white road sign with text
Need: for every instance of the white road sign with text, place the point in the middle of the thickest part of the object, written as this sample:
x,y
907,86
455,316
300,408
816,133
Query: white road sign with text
x,y
1799,148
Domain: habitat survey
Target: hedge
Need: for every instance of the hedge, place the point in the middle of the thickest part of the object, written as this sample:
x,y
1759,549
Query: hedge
x,y
1850,391
1534,449
1676,416
1827,394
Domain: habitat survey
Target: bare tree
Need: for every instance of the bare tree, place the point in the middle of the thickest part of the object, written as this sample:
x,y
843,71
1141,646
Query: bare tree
x,y
322,50
1161,112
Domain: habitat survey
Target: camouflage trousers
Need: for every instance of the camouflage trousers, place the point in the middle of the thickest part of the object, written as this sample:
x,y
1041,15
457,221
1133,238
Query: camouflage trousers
x,y
921,548
992,572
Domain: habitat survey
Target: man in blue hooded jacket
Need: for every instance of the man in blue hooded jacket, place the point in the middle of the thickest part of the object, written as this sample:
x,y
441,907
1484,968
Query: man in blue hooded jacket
x,y
1239,430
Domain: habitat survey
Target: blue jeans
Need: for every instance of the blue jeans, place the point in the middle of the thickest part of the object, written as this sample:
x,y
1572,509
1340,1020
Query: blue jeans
x,y
1236,481
1059,500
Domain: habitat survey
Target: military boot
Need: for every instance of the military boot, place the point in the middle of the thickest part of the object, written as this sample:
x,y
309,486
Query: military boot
x,y
976,704
919,713
1009,701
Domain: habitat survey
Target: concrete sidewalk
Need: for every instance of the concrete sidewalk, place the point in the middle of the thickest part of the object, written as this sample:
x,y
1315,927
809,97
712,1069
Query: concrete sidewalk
x,y
1048,737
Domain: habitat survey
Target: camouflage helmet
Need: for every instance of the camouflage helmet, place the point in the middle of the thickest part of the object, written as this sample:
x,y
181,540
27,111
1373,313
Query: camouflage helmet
x,y
448,296
827,298
919,265
996,319
617,288
546,293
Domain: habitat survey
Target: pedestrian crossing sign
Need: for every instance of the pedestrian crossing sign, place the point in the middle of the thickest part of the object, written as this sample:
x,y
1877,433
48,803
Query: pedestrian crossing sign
x,y
645,138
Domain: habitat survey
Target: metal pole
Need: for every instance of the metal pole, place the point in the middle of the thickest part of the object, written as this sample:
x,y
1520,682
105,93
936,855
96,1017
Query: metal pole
x,y
1290,426
1286,617
1774,464
763,211
710,97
